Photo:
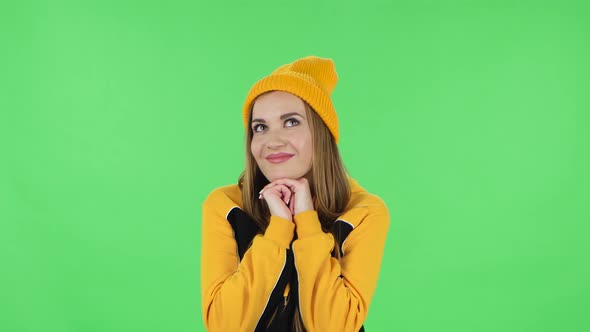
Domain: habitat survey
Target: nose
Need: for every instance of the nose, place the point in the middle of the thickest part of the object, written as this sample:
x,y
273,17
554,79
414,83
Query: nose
x,y
275,139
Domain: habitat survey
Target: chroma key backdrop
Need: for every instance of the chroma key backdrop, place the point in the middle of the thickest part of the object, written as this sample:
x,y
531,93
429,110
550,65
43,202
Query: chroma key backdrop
x,y
468,118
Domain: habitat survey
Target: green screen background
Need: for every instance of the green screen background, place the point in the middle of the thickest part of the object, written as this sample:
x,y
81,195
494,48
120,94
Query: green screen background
x,y
469,118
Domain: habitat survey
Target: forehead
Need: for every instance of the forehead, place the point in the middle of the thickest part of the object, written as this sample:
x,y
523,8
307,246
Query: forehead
x,y
275,103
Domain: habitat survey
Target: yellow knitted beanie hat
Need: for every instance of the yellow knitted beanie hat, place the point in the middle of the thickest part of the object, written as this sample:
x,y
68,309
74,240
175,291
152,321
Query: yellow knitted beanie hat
x,y
310,78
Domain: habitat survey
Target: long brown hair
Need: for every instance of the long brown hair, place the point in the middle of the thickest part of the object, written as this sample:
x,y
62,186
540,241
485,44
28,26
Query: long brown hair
x,y
328,182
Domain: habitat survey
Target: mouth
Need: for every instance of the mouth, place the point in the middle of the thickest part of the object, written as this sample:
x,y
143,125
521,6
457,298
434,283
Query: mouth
x,y
278,158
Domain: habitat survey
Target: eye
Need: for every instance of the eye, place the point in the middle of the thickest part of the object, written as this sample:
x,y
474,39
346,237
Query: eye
x,y
293,122
256,127
290,122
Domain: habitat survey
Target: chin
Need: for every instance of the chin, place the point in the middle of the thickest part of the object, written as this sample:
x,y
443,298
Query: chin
x,y
273,177
276,177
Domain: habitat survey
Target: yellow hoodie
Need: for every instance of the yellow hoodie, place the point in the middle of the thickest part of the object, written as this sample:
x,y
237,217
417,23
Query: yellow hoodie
x,y
242,282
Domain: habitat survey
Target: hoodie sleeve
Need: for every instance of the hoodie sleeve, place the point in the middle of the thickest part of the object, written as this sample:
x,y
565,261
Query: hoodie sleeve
x,y
234,293
341,290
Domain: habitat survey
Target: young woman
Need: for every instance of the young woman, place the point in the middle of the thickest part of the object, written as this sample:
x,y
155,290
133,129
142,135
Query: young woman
x,y
296,244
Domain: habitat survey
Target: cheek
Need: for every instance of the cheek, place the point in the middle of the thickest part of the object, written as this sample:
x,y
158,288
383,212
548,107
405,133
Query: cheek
x,y
255,148
309,150
305,147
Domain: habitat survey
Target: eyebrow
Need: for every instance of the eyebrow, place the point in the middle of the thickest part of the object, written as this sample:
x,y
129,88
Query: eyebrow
x,y
284,116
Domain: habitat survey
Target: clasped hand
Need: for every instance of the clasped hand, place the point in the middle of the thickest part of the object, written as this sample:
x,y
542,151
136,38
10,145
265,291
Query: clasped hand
x,y
287,197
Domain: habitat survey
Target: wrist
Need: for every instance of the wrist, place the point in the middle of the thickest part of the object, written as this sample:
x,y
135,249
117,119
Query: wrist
x,y
282,216
280,230
307,223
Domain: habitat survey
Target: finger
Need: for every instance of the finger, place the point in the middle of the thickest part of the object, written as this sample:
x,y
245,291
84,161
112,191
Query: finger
x,y
295,185
292,205
283,181
270,185
272,195
287,194
266,187
269,192
266,193
280,191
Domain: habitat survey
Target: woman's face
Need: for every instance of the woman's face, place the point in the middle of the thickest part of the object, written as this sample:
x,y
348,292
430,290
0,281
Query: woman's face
x,y
281,142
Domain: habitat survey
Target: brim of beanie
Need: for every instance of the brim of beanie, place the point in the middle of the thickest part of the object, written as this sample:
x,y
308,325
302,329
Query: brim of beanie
x,y
311,93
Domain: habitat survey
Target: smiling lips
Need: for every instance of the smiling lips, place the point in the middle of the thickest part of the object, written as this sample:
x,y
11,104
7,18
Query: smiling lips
x,y
277,158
